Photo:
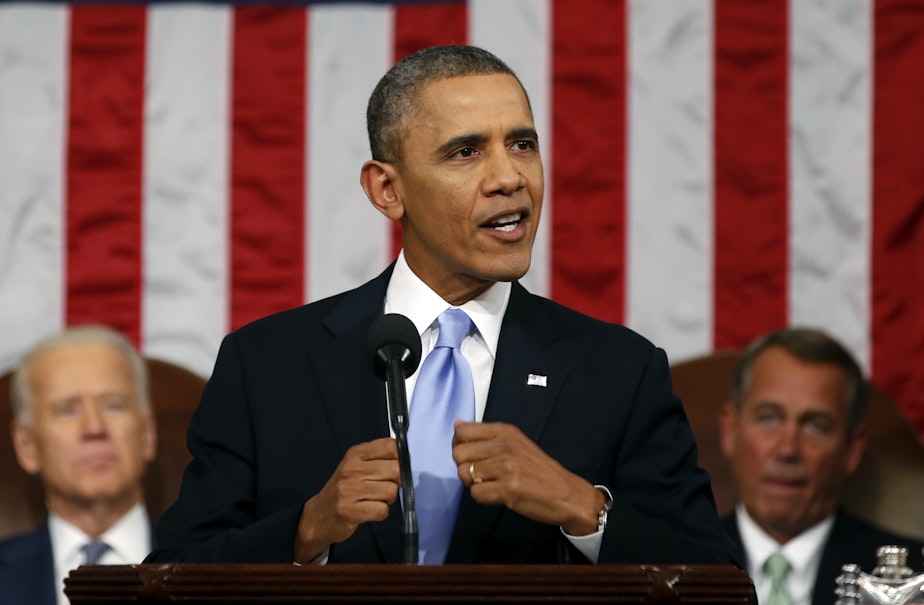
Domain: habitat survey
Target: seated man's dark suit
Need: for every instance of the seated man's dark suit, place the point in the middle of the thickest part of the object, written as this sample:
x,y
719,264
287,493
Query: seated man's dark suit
x,y
27,569
292,392
851,541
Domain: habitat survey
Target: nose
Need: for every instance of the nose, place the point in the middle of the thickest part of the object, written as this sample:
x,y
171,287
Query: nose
x,y
788,442
504,175
92,418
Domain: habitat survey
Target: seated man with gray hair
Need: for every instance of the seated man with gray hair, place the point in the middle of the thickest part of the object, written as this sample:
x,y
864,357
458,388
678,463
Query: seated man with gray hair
x,y
793,431
82,423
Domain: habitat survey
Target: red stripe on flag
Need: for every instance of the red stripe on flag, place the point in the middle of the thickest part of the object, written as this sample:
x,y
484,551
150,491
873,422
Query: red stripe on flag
x,y
588,157
420,26
268,154
898,209
751,213
104,156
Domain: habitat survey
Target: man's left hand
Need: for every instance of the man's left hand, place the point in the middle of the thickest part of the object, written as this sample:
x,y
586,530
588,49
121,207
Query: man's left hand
x,y
501,465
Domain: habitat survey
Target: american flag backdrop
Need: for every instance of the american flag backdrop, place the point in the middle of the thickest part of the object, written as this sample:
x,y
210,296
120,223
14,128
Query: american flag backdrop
x,y
715,168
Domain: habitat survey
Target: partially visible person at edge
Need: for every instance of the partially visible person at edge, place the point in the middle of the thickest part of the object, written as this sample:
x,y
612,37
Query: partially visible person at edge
x,y
82,422
575,448
793,431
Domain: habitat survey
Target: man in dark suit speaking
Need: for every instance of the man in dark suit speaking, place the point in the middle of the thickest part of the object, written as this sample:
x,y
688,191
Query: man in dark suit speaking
x,y
568,446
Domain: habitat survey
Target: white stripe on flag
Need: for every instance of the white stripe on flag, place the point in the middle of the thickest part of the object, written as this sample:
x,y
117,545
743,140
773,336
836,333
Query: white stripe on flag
x,y
669,153
33,106
830,169
349,48
519,32
669,202
186,184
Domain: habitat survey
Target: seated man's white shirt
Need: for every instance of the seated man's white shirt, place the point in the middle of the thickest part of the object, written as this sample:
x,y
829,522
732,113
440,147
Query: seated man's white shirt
x,y
129,542
803,553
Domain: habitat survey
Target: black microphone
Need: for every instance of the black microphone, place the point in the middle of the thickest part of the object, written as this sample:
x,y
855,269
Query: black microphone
x,y
394,344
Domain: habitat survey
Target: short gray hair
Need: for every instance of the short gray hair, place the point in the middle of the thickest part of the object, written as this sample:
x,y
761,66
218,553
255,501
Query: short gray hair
x,y
394,101
811,346
21,395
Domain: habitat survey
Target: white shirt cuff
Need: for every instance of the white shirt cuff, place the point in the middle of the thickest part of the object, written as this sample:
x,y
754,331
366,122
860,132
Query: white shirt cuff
x,y
588,545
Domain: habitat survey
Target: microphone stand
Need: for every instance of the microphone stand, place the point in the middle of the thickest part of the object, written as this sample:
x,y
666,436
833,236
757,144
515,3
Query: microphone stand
x,y
397,403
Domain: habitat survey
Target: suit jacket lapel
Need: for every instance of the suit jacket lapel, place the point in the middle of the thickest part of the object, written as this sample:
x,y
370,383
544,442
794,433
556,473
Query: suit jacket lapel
x,y
524,348
836,548
354,399
730,524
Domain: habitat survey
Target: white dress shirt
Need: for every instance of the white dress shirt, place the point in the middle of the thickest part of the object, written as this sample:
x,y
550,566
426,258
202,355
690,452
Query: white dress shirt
x,y
408,295
803,553
129,542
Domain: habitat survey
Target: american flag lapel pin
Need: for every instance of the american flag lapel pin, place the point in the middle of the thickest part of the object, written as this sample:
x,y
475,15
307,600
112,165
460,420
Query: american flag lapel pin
x,y
537,380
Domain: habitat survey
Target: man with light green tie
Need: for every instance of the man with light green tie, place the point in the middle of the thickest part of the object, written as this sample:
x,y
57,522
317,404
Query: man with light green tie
x,y
792,432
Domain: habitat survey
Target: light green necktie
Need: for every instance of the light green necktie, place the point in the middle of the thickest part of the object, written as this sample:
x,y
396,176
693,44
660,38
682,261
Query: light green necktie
x,y
777,569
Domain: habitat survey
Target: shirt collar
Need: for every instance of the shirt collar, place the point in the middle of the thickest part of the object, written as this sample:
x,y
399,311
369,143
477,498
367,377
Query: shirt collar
x,y
408,295
66,540
129,538
802,552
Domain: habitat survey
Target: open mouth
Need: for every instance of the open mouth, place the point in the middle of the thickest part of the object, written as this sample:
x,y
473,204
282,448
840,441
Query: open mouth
x,y
505,223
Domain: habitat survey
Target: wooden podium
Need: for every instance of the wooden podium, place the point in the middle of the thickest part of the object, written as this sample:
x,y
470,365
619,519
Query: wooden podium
x,y
241,583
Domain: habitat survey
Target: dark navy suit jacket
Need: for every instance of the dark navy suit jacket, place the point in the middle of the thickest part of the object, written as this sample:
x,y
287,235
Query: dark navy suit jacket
x,y
851,541
27,569
292,392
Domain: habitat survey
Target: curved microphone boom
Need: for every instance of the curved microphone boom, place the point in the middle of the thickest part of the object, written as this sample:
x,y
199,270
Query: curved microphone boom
x,y
395,346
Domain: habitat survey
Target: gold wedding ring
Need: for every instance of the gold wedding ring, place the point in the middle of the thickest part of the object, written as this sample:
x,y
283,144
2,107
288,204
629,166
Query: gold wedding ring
x,y
471,473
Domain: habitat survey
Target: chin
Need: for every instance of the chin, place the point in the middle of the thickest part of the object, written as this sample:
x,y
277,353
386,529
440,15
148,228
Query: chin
x,y
509,271
507,277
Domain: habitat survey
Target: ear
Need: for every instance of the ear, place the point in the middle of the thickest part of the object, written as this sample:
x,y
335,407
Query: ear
x,y
378,181
728,429
26,449
855,448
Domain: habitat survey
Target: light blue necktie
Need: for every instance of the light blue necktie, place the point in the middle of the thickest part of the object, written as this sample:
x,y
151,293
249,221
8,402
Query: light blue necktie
x,y
444,393
94,551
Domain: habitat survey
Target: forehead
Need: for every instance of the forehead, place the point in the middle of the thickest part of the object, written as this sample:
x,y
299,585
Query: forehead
x,y
75,366
777,376
457,102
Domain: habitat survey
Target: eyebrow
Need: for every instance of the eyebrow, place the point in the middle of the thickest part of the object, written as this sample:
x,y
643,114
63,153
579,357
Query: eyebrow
x,y
464,140
476,139
767,404
524,133
802,416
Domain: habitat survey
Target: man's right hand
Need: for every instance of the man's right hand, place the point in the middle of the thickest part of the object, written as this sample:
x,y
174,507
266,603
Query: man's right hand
x,y
361,489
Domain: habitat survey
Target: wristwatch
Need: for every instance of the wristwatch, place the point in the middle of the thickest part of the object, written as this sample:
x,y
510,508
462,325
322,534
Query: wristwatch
x,y
607,505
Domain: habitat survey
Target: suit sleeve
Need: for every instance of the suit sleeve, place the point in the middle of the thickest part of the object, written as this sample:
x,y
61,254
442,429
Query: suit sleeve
x,y
215,517
663,509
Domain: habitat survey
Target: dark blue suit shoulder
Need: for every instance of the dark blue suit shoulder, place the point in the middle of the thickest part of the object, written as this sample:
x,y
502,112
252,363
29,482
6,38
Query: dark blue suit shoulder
x,y
335,314
571,321
19,546
27,569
